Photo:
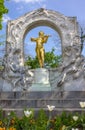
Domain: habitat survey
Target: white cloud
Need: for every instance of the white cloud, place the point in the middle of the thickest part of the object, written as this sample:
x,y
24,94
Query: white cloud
x,y
6,18
29,1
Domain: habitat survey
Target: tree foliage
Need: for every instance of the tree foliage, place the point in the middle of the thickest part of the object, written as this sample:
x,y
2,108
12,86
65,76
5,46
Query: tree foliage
x,y
82,33
32,62
3,10
51,60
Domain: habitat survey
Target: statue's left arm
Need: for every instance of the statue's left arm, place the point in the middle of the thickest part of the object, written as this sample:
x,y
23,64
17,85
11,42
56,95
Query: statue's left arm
x,y
46,38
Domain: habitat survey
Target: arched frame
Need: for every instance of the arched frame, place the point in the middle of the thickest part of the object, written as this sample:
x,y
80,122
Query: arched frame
x,y
67,28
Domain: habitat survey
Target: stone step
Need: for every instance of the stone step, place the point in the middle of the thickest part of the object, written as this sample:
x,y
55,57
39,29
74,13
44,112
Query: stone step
x,y
42,95
17,101
40,103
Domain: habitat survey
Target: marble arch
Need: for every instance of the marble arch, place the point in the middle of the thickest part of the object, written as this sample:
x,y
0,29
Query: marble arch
x,y
16,30
69,76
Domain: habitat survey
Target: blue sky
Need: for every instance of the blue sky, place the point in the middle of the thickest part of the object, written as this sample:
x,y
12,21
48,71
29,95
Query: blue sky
x,y
18,8
66,7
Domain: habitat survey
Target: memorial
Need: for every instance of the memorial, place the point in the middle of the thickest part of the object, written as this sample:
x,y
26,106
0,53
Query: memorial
x,y
73,65
41,86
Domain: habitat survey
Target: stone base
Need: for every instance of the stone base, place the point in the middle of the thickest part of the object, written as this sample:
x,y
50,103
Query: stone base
x,y
40,87
41,80
41,75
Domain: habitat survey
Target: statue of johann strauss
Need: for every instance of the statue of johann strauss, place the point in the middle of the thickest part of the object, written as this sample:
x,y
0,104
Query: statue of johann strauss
x,y
40,52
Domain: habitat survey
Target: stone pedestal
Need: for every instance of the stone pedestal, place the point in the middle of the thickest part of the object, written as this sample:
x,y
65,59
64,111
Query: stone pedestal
x,y
41,80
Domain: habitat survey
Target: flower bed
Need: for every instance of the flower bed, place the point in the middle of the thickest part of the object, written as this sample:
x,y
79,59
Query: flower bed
x,y
42,122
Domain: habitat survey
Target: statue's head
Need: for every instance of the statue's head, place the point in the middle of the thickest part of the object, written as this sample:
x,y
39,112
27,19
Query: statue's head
x,y
41,33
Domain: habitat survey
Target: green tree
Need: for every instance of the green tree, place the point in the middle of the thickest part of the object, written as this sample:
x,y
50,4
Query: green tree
x,y
32,62
51,60
3,10
82,34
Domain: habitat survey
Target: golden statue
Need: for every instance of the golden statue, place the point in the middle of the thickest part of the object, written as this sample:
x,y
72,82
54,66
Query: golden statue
x,y
40,52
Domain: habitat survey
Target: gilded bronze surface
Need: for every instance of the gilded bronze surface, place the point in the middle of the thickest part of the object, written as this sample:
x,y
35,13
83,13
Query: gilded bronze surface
x,y
40,51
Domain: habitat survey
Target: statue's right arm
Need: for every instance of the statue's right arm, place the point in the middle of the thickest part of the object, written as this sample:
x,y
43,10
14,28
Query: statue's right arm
x,y
33,39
